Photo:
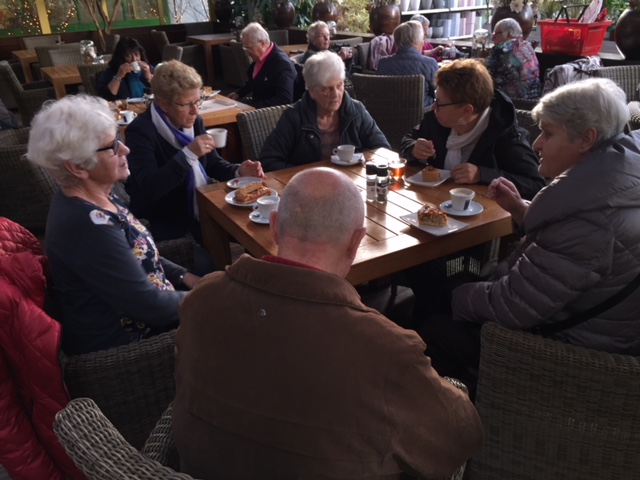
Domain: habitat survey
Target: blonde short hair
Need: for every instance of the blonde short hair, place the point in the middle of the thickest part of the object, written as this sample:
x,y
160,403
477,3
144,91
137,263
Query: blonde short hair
x,y
171,79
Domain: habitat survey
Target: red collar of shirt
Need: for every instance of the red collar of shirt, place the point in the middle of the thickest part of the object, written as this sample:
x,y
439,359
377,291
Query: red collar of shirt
x,y
261,60
291,263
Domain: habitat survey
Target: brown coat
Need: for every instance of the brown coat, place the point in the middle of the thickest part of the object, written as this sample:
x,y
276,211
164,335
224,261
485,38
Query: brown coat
x,y
283,373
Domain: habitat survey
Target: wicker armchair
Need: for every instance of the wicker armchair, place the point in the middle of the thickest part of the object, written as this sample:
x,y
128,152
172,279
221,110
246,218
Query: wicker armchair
x,y
242,60
132,384
192,55
44,58
29,97
361,58
172,52
233,76
30,43
6,95
346,42
279,37
394,102
89,75
65,56
255,127
634,110
555,411
628,78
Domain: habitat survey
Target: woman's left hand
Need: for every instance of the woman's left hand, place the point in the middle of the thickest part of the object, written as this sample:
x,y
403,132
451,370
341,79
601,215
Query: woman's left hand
x,y
465,173
249,168
146,70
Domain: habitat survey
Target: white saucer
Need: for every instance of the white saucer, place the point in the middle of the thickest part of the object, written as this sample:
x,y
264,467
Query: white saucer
x,y
135,100
242,181
255,217
474,209
356,158
452,225
211,95
417,179
231,199
122,123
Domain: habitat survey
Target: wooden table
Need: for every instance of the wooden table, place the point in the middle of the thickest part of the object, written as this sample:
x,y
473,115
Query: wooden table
x,y
289,49
390,244
208,41
61,76
26,58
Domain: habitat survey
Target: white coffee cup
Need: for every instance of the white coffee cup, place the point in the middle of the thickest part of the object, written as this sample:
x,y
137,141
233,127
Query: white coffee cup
x,y
219,136
128,115
135,66
265,205
461,198
345,152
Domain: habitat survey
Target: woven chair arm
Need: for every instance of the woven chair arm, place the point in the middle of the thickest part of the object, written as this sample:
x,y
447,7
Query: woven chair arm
x,y
99,450
634,109
40,84
160,445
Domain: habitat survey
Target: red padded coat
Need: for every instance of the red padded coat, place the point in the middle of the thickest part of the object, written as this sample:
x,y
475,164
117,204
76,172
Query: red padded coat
x,y
32,388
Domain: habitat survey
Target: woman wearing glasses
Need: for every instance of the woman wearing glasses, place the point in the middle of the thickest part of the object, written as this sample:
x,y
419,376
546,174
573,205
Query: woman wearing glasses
x,y
320,40
472,131
322,119
172,154
112,286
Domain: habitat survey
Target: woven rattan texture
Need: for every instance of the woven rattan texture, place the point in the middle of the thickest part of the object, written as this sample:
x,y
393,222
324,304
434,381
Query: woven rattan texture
x,y
88,74
626,76
29,97
65,56
255,127
555,411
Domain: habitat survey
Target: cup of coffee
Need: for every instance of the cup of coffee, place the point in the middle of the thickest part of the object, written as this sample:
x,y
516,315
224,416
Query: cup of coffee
x,y
128,115
135,66
461,198
345,152
397,167
265,205
219,136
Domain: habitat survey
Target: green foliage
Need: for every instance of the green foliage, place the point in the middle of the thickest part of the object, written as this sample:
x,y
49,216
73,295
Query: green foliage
x,y
304,8
354,15
615,8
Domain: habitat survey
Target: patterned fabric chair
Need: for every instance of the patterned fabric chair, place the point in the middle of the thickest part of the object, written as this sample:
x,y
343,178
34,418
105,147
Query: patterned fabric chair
x,y
29,97
255,127
89,75
394,102
552,410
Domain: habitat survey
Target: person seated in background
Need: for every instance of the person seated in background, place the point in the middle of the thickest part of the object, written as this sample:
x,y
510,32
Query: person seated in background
x,y
408,60
325,117
428,49
123,79
320,40
172,154
472,131
112,286
580,245
512,62
308,382
380,46
271,75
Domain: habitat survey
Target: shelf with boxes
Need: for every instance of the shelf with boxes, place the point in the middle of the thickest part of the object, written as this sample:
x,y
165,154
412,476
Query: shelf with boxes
x,y
449,18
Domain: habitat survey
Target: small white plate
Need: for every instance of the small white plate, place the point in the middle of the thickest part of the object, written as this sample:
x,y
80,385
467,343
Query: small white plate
x,y
231,199
255,217
210,95
417,179
356,158
121,122
242,181
474,209
135,100
452,225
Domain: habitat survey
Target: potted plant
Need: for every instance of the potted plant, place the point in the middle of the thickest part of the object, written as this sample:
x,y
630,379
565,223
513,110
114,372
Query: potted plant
x,y
626,35
384,16
519,10
326,11
354,15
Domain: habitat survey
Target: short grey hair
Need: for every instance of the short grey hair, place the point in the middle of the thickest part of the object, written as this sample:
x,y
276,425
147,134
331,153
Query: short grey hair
x,y
322,67
408,34
174,78
254,33
592,103
312,31
70,130
421,19
330,214
510,28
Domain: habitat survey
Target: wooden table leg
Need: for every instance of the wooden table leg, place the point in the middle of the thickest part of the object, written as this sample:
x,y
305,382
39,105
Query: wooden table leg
x,y
60,89
214,238
26,69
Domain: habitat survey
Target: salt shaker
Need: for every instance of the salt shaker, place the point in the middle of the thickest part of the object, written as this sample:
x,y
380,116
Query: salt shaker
x,y
382,183
372,172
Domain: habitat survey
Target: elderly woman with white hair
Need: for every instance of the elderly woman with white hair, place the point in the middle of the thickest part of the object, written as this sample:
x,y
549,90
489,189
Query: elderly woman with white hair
x,y
427,49
408,60
325,117
580,245
319,39
512,62
113,287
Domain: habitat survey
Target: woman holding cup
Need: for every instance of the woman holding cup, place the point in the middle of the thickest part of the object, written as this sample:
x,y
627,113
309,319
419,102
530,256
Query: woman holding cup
x,y
128,74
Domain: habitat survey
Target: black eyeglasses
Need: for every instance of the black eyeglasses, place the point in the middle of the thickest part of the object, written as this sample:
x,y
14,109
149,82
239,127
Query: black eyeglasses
x,y
190,105
115,146
441,105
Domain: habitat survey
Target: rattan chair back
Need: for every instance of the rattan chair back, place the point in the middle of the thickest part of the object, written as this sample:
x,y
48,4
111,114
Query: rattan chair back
x,y
89,75
255,127
230,70
346,42
525,120
361,58
30,43
279,37
394,102
172,52
242,60
160,39
65,56
552,410
44,58
30,100
626,76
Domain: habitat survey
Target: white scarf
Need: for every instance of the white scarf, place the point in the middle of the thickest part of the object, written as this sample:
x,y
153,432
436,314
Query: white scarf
x,y
166,133
455,142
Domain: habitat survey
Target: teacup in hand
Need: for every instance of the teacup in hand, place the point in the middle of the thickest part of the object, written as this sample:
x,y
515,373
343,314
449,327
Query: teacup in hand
x,y
265,205
345,152
135,66
461,198
219,136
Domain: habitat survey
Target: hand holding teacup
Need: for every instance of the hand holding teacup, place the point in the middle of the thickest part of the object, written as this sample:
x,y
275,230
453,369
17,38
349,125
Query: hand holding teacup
x,y
202,145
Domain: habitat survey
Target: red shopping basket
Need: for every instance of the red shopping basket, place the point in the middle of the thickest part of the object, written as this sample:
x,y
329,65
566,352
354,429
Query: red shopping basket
x,y
573,37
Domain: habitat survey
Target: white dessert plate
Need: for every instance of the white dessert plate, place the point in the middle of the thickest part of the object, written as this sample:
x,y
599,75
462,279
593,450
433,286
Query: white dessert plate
x,y
356,158
255,217
231,199
135,100
121,122
417,179
209,96
453,225
242,181
474,209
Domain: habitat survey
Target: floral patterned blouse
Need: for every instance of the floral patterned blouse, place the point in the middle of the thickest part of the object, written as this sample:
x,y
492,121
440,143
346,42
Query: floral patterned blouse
x,y
515,69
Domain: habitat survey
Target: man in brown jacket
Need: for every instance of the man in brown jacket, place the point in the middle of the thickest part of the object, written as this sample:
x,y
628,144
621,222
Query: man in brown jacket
x,y
283,373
